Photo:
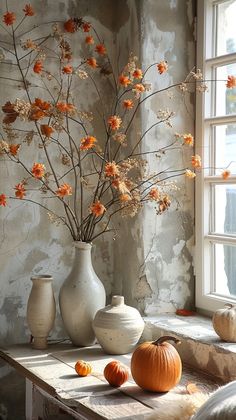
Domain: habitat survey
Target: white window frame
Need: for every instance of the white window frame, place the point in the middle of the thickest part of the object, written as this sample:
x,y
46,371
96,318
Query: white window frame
x,y
205,298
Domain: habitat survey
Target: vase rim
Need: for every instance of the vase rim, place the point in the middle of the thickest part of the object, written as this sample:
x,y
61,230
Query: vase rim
x,y
82,245
41,277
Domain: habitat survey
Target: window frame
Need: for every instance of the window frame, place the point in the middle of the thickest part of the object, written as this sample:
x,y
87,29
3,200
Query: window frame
x,y
205,299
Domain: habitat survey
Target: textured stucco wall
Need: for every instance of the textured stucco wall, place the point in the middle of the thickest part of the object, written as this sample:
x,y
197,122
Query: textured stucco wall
x,y
153,258
168,239
29,243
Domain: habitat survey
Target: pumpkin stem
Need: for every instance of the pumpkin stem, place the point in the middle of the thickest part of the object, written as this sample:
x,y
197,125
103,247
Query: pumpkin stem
x,y
229,305
166,338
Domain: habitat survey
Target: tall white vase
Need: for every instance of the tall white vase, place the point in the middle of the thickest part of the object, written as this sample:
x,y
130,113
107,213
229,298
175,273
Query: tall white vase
x,y
80,297
41,310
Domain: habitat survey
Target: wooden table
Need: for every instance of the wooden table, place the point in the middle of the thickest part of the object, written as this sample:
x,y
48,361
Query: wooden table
x,y
52,372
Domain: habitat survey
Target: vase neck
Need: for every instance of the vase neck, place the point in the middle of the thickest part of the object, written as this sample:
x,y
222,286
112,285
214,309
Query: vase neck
x,y
83,254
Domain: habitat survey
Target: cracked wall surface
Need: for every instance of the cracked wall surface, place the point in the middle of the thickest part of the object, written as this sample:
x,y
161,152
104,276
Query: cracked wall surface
x,y
157,273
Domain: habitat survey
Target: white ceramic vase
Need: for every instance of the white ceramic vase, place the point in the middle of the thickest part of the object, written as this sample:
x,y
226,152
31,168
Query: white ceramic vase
x,y
41,310
118,327
81,296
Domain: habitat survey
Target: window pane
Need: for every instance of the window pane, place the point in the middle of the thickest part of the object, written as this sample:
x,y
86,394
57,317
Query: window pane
x,y
225,148
225,27
225,269
225,205
225,98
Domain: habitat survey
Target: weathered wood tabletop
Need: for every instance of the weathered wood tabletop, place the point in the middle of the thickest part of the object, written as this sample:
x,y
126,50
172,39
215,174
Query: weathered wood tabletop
x,y
52,370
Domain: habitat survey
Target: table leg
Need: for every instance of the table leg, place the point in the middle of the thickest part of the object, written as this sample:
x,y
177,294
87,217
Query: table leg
x,y
28,399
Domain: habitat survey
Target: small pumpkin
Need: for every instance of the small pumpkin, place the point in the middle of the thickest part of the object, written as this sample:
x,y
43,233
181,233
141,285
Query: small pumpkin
x,y
83,368
156,366
116,373
224,323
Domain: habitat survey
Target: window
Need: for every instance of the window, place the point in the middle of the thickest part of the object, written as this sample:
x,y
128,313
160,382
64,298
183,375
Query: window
x,y
215,257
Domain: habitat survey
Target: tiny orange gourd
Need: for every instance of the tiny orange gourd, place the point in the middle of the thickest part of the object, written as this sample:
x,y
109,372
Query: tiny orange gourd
x,y
156,366
83,368
116,373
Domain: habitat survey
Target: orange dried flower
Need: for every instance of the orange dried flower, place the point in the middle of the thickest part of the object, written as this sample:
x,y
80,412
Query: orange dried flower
x,y
128,104
87,142
226,174
188,139
189,173
20,190
196,161
89,40
114,122
162,67
36,114
231,82
139,87
43,105
46,130
63,190
38,170
124,80
164,204
101,49
138,74
191,387
67,69
3,201
13,149
28,10
86,26
65,107
70,26
111,169
97,208
38,67
154,194
125,197
92,62
9,18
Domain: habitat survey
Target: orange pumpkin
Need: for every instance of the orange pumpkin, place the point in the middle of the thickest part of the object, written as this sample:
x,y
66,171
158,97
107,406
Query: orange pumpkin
x,y
83,368
156,366
116,373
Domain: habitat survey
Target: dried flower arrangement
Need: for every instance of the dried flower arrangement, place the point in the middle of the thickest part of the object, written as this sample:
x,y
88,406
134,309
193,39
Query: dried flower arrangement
x,y
94,177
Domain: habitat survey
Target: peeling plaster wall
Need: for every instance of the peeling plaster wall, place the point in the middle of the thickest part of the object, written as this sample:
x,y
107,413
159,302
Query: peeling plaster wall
x,y
153,267
167,34
29,243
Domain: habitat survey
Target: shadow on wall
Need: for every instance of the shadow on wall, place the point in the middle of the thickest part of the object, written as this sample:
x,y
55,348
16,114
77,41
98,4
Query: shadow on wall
x,y
12,397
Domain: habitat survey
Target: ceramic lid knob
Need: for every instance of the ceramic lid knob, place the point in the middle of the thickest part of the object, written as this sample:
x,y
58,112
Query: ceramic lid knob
x,y
117,300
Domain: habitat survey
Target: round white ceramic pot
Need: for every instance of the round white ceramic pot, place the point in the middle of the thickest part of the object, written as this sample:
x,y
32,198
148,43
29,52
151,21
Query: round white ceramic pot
x,y
118,327
41,310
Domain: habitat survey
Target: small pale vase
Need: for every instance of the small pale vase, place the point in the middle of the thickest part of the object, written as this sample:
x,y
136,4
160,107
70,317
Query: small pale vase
x,y
118,327
41,310
81,296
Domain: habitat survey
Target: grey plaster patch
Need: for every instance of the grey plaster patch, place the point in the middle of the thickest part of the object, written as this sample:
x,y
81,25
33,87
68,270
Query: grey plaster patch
x,y
34,257
143,289
12,323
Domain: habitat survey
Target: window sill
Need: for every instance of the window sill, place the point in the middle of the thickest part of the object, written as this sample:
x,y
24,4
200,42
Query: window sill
x,y
200,346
